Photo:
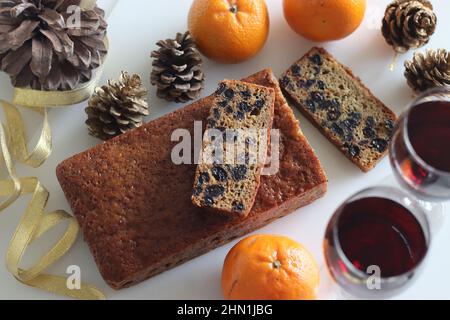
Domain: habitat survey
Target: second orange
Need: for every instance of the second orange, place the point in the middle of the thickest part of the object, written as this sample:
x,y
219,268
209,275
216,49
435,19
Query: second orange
x,y
229,31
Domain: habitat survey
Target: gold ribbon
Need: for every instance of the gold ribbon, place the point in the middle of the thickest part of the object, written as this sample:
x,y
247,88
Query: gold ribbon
x,y
54,99
35,222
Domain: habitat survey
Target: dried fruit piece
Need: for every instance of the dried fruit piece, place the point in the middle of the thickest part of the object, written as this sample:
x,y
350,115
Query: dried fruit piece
x,y
198,191
214,191
333,115
212,123
296,70
244,107
317,97
221,89
229,94
337,129
306,83
390,125
246,94
223,103
238,206
204,177
369,133
209,201
239,115
316,59
370,122
380,145
321,85
239,173
311,105
353,151
220,174
285,82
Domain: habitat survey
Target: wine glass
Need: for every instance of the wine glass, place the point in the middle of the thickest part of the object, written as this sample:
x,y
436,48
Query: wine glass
x,y
377,241
418,154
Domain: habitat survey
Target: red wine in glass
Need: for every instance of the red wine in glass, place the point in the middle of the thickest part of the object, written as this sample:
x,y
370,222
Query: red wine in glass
x,y
375,235
420,150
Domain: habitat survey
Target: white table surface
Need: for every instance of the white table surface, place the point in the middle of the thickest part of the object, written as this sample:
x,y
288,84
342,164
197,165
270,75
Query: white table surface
x,y
135,27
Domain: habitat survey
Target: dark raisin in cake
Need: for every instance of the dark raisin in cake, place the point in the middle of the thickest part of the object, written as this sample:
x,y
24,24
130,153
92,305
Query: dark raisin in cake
x,y
242,116
341,107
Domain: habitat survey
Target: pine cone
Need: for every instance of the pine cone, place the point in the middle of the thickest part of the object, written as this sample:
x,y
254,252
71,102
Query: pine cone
x,y
409,24
177,69
429,70
42,47
118,107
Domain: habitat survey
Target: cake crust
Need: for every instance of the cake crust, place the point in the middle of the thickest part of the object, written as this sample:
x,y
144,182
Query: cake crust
x,y
134,205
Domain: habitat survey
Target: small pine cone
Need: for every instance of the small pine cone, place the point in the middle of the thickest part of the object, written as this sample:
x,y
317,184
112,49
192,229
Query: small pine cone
x,y
177,69
429,70
117,107
409,24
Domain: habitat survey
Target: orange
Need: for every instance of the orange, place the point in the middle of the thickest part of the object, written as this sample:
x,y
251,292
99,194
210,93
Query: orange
x,y
266,267
229,31
324,20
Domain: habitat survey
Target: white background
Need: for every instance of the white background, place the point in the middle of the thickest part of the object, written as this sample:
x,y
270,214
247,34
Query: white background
x,y
135,27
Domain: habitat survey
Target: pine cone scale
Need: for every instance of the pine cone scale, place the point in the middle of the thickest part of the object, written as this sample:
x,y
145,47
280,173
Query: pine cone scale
x,y
53,19
17,10
41,60
12,64
167,78
179,68
106,119
21,34
182,86
195,87
186,76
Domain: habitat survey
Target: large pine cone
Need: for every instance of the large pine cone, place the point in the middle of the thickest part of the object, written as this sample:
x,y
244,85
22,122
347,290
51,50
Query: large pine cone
x,y
43,47
118,107
409,24
429,70
177,69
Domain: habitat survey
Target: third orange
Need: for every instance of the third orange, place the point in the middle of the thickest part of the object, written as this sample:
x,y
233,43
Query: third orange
x,y
324,20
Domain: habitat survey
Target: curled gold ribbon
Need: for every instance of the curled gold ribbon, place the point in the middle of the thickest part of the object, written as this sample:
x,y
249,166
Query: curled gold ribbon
x,y
35,222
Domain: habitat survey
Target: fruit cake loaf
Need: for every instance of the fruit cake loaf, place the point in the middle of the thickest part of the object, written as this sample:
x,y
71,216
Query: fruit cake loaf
x,y
341,107
242,113
134,204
